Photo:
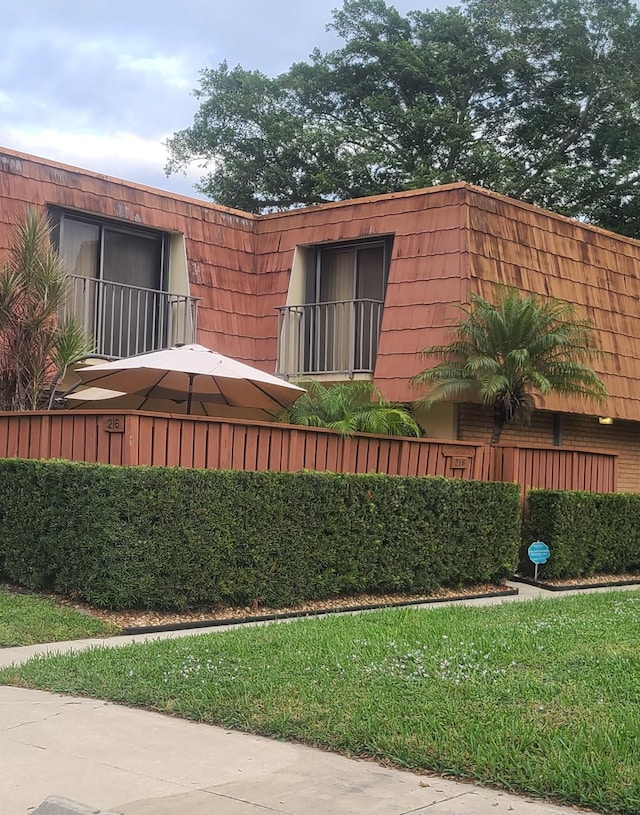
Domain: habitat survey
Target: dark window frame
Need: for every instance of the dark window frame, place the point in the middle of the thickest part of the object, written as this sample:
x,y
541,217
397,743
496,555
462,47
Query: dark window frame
x,y
315,252
57,216
127,315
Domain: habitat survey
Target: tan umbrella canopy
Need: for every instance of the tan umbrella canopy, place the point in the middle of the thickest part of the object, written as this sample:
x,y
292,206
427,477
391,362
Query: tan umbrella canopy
x,y
187,378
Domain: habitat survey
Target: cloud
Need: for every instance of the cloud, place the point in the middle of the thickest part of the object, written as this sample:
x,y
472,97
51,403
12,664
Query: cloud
x,y
97,83
101,83
169,70
121,154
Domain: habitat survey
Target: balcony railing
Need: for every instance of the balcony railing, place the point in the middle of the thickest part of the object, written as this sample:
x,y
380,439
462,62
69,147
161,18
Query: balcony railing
x,y
332,338
126,320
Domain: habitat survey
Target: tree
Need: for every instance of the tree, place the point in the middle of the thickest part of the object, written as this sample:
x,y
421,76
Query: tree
x,y
537,100
36,347
504,354
350,407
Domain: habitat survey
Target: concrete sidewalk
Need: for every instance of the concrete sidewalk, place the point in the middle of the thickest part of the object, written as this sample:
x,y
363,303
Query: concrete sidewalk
x,y
134,762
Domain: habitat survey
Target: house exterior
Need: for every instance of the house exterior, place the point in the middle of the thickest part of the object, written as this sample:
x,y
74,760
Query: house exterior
x,y
352,289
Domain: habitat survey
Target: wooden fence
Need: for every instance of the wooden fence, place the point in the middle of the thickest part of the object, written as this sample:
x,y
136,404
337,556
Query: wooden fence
x,y
133,437
555,468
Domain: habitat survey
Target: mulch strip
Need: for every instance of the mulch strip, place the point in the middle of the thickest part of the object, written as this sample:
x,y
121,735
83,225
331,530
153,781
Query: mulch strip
x,y
135,621
592,581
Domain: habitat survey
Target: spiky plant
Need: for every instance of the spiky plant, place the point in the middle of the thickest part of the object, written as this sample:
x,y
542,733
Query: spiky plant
x,y
350,407
505,354
35,345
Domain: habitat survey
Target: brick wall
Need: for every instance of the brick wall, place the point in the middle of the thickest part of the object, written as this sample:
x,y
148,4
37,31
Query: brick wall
x,y
476,424
623,438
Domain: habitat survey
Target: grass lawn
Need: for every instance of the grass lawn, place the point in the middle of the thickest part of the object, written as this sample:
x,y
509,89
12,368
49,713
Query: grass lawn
x,y
541,697
26,619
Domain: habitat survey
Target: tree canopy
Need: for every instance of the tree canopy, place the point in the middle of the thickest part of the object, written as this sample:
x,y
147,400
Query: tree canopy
x,y
506,353
539,100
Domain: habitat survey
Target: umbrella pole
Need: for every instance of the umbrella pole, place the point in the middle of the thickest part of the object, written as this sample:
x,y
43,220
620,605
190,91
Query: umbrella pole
x,y
190,396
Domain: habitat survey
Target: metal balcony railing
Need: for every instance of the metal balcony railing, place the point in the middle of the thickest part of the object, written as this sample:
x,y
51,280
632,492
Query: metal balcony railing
x,y
125,320
334,338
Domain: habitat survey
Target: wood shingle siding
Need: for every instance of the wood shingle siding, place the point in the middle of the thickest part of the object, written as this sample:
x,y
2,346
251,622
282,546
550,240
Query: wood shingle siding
x,y
551,256
446,243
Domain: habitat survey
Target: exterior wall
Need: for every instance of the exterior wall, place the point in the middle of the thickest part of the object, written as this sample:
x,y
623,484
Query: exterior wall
x,y
545,254
622,438
426,273
476,423
219,242
440,421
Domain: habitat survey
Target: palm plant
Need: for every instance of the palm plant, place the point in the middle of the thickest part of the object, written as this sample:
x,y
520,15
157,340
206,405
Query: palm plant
x,y
504,354
36,346
350,407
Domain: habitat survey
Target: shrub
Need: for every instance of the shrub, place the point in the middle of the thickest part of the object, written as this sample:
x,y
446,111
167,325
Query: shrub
x,y
178,538
586,532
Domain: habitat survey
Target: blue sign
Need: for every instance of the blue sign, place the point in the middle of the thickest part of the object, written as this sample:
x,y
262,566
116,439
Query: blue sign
x,y
538,552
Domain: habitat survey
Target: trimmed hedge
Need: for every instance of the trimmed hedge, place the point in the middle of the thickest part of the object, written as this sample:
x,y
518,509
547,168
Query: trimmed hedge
x,y
164,538
587,532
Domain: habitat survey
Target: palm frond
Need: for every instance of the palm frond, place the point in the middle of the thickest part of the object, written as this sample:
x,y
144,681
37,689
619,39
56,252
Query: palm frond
x,y
350,407
34,345
503,353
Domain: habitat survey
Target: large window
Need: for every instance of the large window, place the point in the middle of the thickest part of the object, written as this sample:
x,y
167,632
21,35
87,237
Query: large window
x,y
345,284
118,275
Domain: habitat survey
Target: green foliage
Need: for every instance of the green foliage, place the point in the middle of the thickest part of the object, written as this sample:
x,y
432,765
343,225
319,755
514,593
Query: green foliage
x,y
587,532
503,354
36,347
27,619
178,538
350,407
537,100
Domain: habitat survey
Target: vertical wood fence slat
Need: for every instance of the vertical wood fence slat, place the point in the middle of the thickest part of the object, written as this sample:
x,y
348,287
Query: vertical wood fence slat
x,y
145,440
173,444
317,447
200,445
213,447
264,444
296,451
238,446
187,447
24,437
159,448
251,449
35,436
12,440
78,438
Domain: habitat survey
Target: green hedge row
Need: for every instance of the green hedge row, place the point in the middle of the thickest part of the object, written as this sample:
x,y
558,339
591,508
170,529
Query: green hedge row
x,y
155,537
586,532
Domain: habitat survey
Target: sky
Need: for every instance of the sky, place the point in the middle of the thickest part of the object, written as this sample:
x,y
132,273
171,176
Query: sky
x,y
101,85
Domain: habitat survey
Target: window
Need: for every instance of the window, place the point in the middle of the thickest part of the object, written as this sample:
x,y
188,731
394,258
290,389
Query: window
x,y
118,274
345,284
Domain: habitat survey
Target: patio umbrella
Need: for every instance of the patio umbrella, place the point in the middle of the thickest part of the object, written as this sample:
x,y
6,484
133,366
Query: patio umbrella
x,y
94,398
189,374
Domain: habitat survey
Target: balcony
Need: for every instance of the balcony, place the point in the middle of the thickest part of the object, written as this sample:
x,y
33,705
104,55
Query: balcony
x,y
338,337
125,320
